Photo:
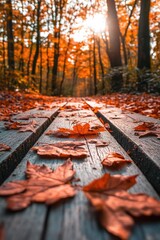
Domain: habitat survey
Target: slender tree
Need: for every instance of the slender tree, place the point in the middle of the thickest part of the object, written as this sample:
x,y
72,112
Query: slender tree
x,y
10,50
144,43
37,39
114,46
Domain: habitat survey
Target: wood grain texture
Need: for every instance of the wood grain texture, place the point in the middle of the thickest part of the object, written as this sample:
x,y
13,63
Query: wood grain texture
x,y
74,218
144,151
21,142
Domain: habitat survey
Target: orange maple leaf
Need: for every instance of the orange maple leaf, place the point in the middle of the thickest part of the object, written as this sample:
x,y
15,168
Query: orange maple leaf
x,y
43,185
78,130
117,208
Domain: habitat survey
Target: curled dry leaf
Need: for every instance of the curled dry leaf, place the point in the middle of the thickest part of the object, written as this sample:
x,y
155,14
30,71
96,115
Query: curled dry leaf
x,y
115,160
21,126
147,129
4,147
145,126
116,207
43,185
62,150
98,143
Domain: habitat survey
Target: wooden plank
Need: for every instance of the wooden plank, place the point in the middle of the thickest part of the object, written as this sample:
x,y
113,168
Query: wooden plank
x,y
144,151
21,142
72,219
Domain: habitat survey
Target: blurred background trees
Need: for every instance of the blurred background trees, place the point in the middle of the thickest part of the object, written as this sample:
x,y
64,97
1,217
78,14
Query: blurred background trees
x,y
79,48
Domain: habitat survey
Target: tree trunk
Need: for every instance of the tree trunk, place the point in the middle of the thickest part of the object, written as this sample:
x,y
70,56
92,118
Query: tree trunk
x,y
144,44
11,63
114,46
37,39
21,62
101,65
57,16
94,65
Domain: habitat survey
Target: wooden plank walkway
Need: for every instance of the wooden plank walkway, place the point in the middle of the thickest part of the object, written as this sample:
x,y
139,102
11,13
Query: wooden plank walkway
x,y
144,151
72,219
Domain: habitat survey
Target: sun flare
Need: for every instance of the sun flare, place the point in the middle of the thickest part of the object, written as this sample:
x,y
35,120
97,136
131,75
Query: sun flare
x,y
96,23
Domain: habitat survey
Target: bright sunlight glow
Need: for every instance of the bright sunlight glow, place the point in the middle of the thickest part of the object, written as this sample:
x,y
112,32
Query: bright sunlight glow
x,y
96,24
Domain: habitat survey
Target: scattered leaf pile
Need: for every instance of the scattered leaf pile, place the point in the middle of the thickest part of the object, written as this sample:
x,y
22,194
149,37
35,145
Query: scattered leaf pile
x,y
116,207
145,104
62,150
16,102
42,185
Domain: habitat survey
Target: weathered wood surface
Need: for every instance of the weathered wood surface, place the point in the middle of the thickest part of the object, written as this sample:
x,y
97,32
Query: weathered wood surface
x,y
73,219
144,151
21,142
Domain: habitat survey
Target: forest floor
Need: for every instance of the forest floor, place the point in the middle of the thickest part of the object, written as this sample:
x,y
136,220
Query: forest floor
x,y
15,102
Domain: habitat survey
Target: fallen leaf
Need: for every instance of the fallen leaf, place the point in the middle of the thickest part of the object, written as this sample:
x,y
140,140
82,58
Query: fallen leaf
x,y
21,126
147,129
78,130
43,185
4,147
145,126
117,208
98,143
62,150
114,159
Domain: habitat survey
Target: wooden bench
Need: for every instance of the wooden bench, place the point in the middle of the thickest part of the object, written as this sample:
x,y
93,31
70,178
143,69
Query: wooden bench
x,y
73,219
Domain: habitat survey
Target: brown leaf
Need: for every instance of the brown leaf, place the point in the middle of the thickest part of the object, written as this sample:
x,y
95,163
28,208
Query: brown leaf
x,y
116,207
115,160
98,143
43,185
4,147
62,150
21,126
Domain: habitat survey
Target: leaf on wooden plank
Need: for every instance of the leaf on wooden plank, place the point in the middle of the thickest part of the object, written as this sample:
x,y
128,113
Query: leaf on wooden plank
x,y
43,185
78,130
62,150
21,126
116,207
4,147
145,126
114,160
148,134
35,115
147,129
98,143
111,183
